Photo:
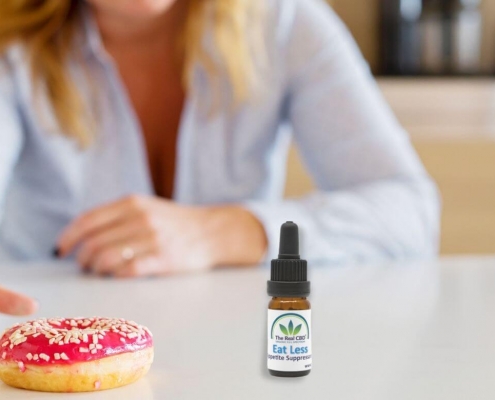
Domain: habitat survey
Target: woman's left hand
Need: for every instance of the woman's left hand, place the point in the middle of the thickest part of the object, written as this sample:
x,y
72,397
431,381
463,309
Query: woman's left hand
x,y
140,235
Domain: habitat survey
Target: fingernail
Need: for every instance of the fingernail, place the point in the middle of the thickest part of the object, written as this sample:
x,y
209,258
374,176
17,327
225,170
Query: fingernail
x,y
56,252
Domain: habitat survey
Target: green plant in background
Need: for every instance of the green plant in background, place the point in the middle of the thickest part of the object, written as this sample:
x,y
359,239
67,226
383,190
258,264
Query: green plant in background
x,y
290,330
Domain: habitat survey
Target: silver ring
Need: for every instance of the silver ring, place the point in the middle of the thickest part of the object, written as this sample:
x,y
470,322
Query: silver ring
x,y
128,253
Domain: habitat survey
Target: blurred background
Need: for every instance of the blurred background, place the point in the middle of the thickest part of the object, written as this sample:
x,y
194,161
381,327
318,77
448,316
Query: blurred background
x,y
435,64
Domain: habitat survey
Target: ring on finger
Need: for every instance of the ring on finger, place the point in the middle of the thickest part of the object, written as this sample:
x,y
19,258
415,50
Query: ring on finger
x,y
128,254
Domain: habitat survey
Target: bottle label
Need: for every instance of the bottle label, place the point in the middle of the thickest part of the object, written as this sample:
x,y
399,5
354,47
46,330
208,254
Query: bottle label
x,y
289,340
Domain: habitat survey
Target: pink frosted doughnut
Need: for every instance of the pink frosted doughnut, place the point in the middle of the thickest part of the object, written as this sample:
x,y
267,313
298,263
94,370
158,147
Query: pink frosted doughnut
x,y
75,354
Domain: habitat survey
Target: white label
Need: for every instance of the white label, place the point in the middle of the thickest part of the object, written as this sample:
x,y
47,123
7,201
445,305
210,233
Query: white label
x,y
289,340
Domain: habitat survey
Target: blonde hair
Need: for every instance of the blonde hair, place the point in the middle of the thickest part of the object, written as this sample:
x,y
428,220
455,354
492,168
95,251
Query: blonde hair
x,y
47,27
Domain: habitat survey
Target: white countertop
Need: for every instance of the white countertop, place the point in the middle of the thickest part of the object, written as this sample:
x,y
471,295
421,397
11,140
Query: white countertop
x,y
418,331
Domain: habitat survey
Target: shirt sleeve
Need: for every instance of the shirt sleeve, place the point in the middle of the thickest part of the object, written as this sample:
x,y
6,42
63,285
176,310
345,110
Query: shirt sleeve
x,y
374,200
11,133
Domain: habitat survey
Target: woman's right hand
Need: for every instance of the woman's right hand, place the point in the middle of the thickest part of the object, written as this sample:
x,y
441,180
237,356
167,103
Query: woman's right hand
x,y
16,304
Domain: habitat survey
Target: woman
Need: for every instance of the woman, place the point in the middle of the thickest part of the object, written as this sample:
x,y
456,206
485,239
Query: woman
x,y
144,137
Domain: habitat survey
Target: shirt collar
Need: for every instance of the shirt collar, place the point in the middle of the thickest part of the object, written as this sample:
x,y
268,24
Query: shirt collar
x,y
90,38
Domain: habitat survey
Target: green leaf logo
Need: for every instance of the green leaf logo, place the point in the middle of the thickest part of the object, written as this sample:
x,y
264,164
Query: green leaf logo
x,y
291,328
283,329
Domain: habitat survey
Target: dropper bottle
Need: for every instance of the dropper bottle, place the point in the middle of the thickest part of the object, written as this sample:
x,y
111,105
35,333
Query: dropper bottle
x,y
289,311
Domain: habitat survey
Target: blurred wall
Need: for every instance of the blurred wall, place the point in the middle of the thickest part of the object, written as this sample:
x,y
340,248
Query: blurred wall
x,y
362,18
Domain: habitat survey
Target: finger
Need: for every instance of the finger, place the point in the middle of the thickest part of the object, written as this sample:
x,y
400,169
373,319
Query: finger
x,y
144,266
113,258
95,220
95,244
16,304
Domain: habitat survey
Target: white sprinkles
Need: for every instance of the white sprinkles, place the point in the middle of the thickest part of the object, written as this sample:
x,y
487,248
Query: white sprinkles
x,y
86,332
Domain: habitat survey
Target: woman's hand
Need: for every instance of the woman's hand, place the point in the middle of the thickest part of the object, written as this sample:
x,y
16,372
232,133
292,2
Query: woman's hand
x,y
148,236
16,304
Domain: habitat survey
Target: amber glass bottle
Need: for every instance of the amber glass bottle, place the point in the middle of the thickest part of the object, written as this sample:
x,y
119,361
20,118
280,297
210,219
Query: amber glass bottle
x,y
289,311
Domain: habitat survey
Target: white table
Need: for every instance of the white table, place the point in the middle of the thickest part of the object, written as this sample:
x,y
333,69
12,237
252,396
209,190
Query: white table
x,y
406,331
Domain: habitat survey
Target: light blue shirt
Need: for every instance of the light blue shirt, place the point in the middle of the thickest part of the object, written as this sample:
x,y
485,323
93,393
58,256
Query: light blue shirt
x,y
374,201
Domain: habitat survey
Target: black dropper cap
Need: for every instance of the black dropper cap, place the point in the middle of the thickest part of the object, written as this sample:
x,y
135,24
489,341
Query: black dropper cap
x,y
289,273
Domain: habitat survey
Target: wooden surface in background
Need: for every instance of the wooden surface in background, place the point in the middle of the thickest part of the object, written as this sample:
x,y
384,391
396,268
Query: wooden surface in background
x,y
452,126
488,51
465,174
362,18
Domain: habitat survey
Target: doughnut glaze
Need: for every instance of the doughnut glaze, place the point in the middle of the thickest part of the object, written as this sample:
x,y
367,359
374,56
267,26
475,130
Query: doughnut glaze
x,y
64,341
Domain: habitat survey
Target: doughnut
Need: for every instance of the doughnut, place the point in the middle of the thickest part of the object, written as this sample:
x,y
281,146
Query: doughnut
x,y
75,354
